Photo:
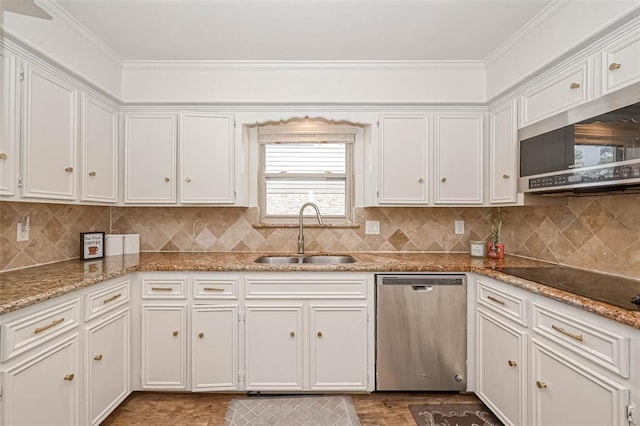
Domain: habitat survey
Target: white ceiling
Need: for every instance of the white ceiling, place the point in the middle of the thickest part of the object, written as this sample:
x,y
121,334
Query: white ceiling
x,y
304,30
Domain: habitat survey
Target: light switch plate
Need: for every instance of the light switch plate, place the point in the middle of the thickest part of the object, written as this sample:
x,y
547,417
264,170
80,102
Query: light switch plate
x,y
372,227
22,232
459,227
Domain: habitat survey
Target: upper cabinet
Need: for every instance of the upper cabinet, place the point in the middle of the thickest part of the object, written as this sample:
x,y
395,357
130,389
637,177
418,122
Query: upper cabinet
x,y
503,151
9,122
206,158
150,158
99,145
621,62
49,135
458,158
403,159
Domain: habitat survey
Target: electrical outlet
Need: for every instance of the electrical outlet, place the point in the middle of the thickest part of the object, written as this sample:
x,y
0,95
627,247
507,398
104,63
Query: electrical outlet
x,y
372,227
459,227
22,232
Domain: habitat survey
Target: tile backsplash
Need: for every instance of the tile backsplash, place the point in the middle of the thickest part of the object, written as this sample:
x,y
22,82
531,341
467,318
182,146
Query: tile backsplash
x,y
599,233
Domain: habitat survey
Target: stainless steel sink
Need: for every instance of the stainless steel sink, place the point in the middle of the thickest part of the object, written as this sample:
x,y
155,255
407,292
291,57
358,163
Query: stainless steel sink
x,y
328,260
317,259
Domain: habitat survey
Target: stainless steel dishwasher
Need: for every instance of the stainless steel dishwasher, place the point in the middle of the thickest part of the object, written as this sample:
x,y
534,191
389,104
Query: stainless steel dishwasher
x,y
421,332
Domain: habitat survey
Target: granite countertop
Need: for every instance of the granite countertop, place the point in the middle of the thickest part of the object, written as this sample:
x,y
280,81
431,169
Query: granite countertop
x,y
25,287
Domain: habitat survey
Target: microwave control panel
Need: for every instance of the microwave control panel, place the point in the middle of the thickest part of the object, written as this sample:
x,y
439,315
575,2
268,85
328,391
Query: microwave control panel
x,y
606,174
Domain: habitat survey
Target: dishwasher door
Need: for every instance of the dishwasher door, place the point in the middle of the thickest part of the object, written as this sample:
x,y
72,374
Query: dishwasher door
x,y
421,332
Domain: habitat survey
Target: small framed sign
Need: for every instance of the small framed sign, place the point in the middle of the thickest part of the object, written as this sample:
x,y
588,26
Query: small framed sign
x,y
91,245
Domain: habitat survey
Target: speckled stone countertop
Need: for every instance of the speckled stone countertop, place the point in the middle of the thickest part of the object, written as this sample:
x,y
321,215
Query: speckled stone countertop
x,y
25,287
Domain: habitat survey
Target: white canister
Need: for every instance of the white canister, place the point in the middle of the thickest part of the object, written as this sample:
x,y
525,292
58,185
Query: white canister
x,y
478,248
114,245
131,243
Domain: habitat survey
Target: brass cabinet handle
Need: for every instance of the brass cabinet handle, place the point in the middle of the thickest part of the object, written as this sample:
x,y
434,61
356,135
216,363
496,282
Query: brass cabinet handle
x,y
98,357
68,169
69,377
175,333
577,337
167,179
493,299
92,173
613,66
541,385
512,363
574,86
319,333
420,180
48,326
112,298
444,179
292,334
213,289
161,289
505,176
3,156
201,335
187,179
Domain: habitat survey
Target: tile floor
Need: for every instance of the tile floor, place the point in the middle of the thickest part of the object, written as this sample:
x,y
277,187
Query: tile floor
x,y
208,409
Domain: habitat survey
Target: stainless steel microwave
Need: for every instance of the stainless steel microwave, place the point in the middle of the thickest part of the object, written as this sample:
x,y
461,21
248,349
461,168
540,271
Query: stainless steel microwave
x,y
599,153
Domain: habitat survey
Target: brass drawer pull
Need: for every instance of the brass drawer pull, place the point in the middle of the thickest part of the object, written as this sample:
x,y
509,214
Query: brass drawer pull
x,y
48,326
443,180
213,289
175,333
201,335
577,337
98,357
493,299
613,66
69,377
574,86
512,363
421,180
319,333
187,179
167,179
541,385
505,176
161,289
112,298
68,169
3,156
92,173
292,334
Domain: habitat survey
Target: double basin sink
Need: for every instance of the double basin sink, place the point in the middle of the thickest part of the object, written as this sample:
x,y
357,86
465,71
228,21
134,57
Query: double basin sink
x,y
315,259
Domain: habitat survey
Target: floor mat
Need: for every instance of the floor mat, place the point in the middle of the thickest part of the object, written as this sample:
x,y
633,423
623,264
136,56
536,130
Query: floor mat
x,y
453,414
304,410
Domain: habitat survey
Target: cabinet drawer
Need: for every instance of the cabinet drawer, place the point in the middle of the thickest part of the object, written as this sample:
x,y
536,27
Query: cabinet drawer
x,y
508,305
557,94
305,288
106,299
163,288
31,330
215,288
604,347
621,63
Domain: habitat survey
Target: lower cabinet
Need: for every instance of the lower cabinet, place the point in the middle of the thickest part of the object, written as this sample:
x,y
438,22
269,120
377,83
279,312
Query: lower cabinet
x,y
164,347
43,387
107,358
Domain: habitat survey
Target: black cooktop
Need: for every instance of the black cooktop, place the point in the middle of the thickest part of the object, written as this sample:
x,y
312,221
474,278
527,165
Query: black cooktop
x,y
617,291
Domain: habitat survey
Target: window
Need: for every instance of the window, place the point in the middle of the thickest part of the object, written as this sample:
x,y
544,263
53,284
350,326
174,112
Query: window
x,y
298,166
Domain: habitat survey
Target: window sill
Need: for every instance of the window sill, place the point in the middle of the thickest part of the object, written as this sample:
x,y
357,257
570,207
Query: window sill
x,y
306,225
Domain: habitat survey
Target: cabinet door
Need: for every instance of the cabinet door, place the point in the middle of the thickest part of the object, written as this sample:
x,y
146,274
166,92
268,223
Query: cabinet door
x,y
565,392
9,122
273,347
621,62
99,151
338,347
107,359
49,135
164,346
214,355
206,158
150,157
503,150
403,160
502,374
44,388
458,162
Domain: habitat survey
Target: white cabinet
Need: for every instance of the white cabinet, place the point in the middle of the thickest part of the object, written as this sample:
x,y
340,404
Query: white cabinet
x,y
49,135
106,359
338,347
403,159
503,152
99,147
43,387
458,158
206,158
273,347
214,356
621,62
164,346
9,122
150,158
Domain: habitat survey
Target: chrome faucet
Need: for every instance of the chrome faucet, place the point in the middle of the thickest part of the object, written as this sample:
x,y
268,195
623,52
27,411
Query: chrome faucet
x,y
300,224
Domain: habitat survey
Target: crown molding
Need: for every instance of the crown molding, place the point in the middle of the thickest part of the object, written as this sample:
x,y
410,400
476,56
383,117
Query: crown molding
x,y
297,65
55,9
